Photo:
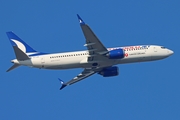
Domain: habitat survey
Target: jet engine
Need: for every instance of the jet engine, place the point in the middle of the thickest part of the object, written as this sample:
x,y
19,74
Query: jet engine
x,y
109,71
116,54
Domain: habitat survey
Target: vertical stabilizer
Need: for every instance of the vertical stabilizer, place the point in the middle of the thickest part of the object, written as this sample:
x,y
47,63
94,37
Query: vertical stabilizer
x,y
21,49
16,41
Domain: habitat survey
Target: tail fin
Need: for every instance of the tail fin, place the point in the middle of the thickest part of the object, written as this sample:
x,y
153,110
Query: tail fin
x,y
21,49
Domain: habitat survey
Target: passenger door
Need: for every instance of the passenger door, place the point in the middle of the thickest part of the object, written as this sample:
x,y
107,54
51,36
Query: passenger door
x,y
155,49
42,61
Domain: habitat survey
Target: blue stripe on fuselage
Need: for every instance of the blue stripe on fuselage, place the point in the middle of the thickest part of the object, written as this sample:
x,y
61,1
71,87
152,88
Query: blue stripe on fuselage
x,y
40,53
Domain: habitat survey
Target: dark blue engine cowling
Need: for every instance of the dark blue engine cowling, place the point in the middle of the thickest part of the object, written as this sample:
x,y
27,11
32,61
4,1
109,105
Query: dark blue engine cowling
x,y
109,71
116,54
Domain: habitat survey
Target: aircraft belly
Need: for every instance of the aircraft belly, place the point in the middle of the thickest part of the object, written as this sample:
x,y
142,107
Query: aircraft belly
x,y
91,64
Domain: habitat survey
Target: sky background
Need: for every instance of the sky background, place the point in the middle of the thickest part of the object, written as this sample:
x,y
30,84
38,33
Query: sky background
x,y
142,91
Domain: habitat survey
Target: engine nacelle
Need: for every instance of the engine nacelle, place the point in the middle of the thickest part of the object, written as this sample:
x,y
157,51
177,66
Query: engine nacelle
x,y
116,54
110,71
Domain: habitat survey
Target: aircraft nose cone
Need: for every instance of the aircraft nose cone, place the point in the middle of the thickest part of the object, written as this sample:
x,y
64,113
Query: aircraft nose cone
x,y
170,52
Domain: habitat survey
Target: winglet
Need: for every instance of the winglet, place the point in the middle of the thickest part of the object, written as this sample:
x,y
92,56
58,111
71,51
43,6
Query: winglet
x,y
80,20
62,83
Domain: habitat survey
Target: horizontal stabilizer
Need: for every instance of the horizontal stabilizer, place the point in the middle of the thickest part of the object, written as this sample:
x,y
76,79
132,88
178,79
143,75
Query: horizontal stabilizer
x,y
13,67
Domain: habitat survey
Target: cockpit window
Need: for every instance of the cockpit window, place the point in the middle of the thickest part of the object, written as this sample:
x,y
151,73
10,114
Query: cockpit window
x,y
163,47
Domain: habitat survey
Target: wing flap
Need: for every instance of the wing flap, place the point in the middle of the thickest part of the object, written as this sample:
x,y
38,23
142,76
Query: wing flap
x,y
80,77
86,73
92,40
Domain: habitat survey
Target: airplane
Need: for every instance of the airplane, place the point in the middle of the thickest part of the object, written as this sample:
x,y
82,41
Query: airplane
x,y
96,59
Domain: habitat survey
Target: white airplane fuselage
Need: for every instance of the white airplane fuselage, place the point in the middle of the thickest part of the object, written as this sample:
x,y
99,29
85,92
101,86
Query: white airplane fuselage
x,y
96,59
79,59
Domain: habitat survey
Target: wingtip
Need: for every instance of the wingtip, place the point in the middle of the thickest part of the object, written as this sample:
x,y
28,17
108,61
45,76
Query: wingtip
x,y
63,86
62,83
80,20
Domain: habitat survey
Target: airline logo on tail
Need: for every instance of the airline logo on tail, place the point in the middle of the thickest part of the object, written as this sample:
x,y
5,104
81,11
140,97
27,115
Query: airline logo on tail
x,y
16,41
19,45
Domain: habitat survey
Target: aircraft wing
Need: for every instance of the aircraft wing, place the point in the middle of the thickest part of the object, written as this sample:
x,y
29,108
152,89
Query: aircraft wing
x,y
86,73
95,47
93,44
